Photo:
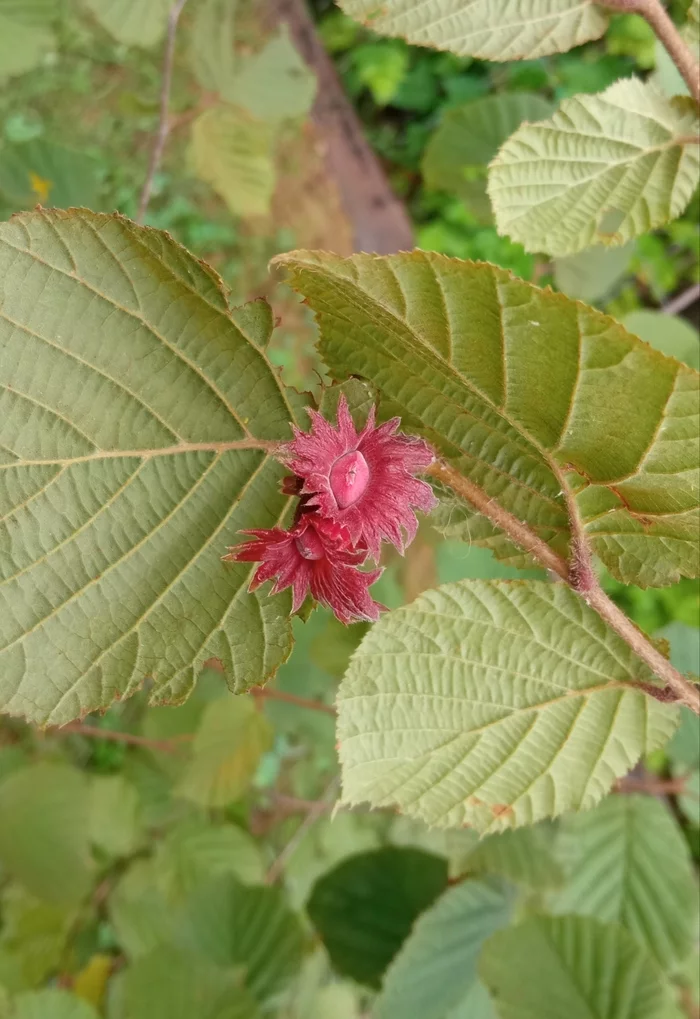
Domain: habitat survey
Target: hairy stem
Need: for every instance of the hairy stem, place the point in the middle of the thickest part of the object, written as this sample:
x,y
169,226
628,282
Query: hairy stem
x,y
164,121
655,14
579,574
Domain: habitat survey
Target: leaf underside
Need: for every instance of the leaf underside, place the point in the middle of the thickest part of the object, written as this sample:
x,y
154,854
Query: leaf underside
x,y
133,410
525,392
493,705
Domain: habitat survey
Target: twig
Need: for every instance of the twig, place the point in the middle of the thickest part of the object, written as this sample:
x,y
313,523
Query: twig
x,y
163,123
269,693
578,574
682,301
318,808
169,746
652,786
655,14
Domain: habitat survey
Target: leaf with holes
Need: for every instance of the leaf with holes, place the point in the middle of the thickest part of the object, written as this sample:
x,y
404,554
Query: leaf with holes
x,y
628,861
132,22
604,169
25,34
493,705
234,153
136,419
520,390
490,29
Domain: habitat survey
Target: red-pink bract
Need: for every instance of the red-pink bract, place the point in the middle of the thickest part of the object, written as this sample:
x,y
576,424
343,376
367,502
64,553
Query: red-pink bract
x,y
316,556
363,480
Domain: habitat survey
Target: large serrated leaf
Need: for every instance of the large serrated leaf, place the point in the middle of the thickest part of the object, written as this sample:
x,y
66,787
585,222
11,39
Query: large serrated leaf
x,y
435,970
25,34
493,704
135,424
490,29
571,966
604,169
133,22
234,153
627,861
521,390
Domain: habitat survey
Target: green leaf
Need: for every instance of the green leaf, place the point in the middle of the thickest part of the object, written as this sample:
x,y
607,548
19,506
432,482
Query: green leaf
x,y
25,34
53,1004
134,422
571,966
467,139
234,153
132,22
226,923
38,171
211,40
365,907
171,984
231,739
142,915
435,970
525,857
520,389
481,28
275,83
493,704
46,805
627,861
33,937
196,851
115,821
604,169
593,273
667,78
670,334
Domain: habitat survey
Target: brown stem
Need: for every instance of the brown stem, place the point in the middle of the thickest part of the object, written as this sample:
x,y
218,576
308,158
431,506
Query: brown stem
x,y
578,574
652,786
683,57
169,746
163,123
268,693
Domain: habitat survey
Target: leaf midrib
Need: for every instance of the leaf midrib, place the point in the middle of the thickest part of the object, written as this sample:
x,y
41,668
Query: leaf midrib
x,y
145,454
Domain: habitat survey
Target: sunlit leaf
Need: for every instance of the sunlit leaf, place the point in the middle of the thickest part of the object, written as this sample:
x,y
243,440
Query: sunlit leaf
x,y
493,705
133,22
520,389
604,169
627,861
25,34
571,966
670,334
234,153
490,29
435,970
134,423
365,907
274,83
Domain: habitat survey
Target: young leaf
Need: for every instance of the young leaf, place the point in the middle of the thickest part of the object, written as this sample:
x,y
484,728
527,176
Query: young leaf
x,y
571,966
135,422
628,861
132,22
604,169
467,139
493,705
490,29
365,907
435,970
25,34
234,153
520,389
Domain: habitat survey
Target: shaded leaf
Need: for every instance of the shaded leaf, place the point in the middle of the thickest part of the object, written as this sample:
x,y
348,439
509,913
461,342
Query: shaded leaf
x,y
627,861
467,139
670,334
365,907
115,821
493,704
133,22
133,421
275,83
211,44
490,29
142,915
46,805
435,970
525,857
40,172
604,169
25,34
232,737
234,153
53,1004
521,389
593,273
571,966
196,851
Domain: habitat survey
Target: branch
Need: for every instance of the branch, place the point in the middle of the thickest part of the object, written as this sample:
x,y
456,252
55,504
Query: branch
x,y
317,808
682,301
169,746
655,14
261,693
164,122
579,574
